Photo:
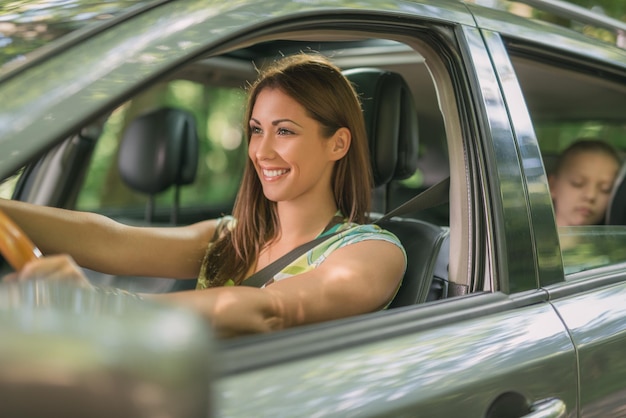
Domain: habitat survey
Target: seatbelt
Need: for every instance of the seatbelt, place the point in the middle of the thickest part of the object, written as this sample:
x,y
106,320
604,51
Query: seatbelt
x,y
262,276
435,195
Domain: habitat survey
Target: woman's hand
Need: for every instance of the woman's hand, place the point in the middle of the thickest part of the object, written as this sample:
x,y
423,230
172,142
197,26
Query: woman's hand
x,y
57,267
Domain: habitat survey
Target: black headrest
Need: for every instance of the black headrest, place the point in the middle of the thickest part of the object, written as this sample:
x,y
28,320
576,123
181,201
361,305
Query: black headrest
x,y
159,149
616,209
390,120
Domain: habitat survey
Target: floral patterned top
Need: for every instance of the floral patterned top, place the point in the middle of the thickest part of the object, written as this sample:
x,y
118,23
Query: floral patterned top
x,y
347,233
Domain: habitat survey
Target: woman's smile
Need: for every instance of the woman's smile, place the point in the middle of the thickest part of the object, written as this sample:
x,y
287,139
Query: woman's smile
x,y
274,174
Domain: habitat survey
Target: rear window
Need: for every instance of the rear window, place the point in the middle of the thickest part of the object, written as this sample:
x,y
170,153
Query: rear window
x,y
569,103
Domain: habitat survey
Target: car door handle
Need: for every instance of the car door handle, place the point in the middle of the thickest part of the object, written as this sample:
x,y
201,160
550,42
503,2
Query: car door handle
x,y
547,408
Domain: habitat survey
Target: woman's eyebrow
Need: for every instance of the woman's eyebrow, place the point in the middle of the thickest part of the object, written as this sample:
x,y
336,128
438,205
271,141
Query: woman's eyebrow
x,y
277,121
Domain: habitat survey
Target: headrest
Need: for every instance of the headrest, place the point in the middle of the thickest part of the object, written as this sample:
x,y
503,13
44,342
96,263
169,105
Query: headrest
x,y
390,120
616,209
159,149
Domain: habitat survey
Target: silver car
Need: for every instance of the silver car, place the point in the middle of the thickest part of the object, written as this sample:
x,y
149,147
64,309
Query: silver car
x,y
501,313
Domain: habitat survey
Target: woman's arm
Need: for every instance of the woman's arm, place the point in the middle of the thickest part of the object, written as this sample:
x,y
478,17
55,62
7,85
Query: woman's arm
x,y
358,278
355,279
99,243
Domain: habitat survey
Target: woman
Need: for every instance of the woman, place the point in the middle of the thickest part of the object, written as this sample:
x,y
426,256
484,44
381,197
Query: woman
x,y
305,176
582,182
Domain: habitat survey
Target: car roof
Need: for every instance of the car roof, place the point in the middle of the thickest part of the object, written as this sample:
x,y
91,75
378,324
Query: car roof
x,y
33,30
29,30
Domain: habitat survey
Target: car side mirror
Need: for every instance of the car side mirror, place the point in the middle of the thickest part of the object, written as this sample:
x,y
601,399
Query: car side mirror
x,y
77,352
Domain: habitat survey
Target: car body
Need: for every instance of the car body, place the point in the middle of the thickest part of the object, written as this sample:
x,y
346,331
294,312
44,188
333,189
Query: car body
x,y
535,321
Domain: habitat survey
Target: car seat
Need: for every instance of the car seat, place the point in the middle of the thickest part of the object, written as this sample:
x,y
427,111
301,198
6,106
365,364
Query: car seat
x,y
392,127
616,209
159,150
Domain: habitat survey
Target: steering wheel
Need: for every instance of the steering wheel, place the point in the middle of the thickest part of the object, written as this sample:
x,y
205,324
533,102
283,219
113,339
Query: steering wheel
x,y
15,245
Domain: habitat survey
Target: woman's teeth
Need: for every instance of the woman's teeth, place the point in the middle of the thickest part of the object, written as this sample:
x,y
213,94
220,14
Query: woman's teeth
x,y
274,173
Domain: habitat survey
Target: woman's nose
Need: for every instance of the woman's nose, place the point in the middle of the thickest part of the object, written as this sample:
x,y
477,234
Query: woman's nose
x,y
264,147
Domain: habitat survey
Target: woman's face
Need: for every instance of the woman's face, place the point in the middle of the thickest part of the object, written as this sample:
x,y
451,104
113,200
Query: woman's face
x,y
581,189
293,161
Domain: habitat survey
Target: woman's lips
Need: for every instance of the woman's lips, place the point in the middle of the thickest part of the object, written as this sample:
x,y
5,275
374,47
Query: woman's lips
x,y
274,173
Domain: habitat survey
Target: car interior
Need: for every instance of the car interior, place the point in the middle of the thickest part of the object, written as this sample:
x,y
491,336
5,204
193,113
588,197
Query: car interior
x,y
159,151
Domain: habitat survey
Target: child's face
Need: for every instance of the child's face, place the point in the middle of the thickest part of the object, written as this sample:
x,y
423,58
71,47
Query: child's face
x,y
581,189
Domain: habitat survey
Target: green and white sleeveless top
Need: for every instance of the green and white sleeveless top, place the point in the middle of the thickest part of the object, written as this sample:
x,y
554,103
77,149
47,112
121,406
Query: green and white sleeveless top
x,y
347,233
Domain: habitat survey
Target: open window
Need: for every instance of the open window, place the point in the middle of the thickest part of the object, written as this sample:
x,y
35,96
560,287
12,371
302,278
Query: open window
x,y
212,90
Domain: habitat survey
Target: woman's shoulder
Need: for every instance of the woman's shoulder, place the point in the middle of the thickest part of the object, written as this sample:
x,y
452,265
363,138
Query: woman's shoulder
x,y
352,232
345,234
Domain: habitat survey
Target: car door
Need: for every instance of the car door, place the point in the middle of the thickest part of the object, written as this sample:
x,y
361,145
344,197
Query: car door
x,y
485,355
585,82
594,313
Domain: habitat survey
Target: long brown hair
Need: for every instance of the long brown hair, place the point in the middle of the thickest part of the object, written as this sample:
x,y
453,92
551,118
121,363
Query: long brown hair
x,y
329,98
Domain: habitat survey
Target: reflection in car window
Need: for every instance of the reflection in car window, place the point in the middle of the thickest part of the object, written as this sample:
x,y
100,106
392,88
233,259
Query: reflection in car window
x,y
27,25
535,11
588,247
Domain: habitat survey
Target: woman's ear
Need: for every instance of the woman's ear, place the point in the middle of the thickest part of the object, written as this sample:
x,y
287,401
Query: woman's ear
x,y
340,143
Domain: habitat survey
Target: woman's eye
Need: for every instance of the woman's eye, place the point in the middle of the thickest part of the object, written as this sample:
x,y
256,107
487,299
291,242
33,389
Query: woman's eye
x,y
284,131
255,130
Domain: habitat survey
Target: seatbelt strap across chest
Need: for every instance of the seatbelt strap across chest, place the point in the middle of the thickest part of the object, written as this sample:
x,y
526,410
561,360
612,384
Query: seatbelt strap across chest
x,y
262,276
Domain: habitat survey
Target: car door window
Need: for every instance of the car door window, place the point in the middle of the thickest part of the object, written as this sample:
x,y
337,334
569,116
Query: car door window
x,y
588,247
568,105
